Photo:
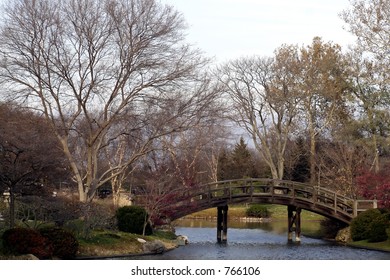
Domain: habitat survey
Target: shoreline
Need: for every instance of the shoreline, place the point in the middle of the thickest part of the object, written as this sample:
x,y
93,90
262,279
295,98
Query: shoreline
x,y
171,245
130,255
241,219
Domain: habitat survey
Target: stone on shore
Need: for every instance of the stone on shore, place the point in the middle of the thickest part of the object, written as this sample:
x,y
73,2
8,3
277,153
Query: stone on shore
x,y
182,240
155,247
140,240
344,235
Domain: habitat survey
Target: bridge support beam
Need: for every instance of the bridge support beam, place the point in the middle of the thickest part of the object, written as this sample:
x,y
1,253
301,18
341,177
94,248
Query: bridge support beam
x,y
294,223
222,215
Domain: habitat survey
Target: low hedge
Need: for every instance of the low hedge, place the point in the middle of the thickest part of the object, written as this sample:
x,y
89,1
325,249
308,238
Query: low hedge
x,y
257,211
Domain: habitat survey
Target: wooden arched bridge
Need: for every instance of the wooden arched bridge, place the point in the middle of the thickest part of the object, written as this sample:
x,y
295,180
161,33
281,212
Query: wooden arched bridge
x,y
296,196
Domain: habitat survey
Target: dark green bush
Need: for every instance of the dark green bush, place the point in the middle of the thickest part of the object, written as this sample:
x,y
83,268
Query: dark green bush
x,y
385,212
369,225
257,211
378,229
26,241
63,242
132,219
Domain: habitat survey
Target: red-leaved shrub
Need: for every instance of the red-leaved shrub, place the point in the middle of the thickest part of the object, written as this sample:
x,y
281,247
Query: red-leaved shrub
x,y
27,241
373,185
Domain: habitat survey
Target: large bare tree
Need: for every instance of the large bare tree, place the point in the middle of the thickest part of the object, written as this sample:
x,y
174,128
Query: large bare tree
x,y
87,65
264,101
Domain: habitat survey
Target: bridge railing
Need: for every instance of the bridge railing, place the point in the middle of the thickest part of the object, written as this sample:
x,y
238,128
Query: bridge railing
x,y
277,191
363,205
279,188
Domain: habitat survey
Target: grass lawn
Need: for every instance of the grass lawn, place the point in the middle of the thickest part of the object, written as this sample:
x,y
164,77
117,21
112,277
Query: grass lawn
x,y
383,246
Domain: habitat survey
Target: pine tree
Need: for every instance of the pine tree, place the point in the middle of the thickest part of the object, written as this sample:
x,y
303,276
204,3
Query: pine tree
x,y
236,164
242,164
301,170
223,166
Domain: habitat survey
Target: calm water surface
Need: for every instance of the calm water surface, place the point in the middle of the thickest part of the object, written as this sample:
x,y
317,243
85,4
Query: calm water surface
x,y
259,241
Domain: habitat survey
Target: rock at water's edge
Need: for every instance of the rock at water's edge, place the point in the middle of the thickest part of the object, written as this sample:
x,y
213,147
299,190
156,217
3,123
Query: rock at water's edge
x,y
182,240
344,235
155,247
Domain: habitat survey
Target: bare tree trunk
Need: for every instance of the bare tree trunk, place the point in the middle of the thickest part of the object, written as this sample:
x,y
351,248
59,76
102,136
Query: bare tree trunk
x,y
312,156
11,207
375,163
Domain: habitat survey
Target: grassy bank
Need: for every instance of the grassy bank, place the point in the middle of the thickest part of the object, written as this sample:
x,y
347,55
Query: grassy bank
x,y
278,212
381,246
105,243
110,243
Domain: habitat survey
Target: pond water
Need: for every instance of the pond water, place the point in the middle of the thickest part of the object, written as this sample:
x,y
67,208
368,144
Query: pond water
x,y
259,241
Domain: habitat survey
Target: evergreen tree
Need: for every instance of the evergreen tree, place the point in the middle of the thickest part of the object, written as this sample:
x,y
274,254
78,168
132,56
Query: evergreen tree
x,y
223,166
236,164
301,170
242,164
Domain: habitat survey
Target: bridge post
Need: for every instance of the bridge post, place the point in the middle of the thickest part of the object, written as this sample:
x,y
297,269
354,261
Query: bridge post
x,y
355,208
294,223
222,215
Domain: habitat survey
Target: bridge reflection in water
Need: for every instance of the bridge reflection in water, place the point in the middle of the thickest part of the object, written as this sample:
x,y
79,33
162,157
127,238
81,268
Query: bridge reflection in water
x,y
296,196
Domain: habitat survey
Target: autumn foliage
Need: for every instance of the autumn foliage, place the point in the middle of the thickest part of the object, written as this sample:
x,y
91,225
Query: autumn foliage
x,y
373,185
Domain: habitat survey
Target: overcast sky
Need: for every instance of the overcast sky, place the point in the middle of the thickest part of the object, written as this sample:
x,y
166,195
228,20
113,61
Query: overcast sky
x,y
228,29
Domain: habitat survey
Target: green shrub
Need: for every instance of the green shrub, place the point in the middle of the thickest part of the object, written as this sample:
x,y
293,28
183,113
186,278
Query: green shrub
x,y
63,242
369,225
378,229
77,227
257,211
385,212
132,219
26,241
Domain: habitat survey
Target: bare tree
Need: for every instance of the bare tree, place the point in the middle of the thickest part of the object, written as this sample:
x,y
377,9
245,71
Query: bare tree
x,y
218,141
194,153
341,162
87,63
30,158
265,101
